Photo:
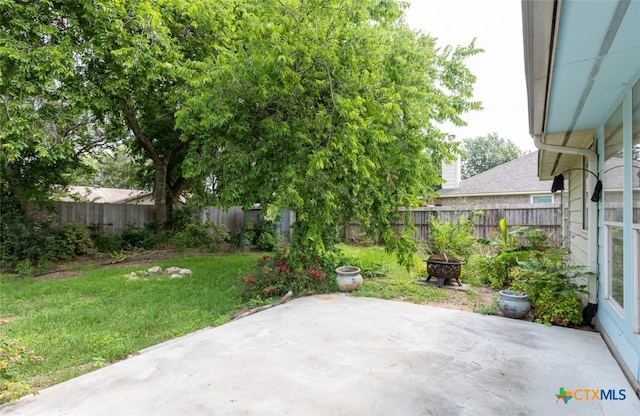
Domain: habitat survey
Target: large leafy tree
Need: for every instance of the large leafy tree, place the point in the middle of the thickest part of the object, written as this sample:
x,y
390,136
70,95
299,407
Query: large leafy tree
x,y
487,152
138,58
43,127
118,69
330,109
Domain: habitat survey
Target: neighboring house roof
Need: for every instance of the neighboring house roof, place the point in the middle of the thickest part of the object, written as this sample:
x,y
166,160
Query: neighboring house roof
x,y
107,195
515,177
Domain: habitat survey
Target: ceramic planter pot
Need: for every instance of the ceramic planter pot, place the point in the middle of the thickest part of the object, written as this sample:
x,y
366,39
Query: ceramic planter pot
x,y
514,304
348,278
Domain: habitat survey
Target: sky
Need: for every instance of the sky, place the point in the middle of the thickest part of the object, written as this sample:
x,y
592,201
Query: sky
x,y
500,85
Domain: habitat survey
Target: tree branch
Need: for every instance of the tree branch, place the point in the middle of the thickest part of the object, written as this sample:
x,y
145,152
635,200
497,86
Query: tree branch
x,y
132,120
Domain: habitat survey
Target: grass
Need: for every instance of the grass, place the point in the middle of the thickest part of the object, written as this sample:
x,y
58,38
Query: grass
x,y
398,284
82,323
85,322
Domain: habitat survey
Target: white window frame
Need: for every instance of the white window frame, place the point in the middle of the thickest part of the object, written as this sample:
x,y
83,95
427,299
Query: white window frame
x,y
542,195
609,277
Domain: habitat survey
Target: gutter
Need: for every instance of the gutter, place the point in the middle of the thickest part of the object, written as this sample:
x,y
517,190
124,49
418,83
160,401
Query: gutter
x,y
592,250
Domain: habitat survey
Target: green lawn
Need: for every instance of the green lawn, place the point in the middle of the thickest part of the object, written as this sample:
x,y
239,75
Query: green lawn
x,y
85,322
398,284
81,323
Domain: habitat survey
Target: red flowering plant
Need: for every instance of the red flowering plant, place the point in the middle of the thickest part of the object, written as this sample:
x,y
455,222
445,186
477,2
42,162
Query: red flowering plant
x,y
282,271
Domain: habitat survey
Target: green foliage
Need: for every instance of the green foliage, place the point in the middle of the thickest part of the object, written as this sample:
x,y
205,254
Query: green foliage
x,y
486,152
495,268
335,130
13,357
240,239
262,234
44,125
371,270
203,236
76,239
510,248
29,241
109,242
547,282
451,237
490,309
266,242
280,272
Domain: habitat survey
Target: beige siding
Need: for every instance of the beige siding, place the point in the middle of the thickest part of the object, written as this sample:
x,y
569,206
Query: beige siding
x,y
578,243
473,202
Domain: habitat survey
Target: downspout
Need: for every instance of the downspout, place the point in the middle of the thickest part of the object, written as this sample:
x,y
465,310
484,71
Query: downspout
x,y
592,250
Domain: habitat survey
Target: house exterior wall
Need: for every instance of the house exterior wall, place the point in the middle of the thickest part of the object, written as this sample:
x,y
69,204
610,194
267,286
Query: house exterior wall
x,y
471,201
618,242
578,238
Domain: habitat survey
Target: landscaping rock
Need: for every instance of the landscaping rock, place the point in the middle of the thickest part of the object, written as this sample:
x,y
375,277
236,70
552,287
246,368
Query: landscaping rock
x,y
156,271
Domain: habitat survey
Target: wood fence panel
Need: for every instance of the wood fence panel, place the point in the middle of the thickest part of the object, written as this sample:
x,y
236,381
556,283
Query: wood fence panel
x,y
116,217
106,217
544,217
232,219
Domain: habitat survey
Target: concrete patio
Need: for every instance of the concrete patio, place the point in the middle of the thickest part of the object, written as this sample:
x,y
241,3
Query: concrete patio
x,y
341,355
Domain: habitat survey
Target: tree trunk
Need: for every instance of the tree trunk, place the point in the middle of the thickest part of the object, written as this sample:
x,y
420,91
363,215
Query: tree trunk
x,y
160,191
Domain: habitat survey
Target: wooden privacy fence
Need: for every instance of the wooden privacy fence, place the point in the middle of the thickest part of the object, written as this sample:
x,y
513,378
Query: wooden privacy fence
x,y
113,218
546,217
116,217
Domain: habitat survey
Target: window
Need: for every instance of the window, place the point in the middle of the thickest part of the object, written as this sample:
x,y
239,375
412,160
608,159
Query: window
x,y
542,199
635,154
613,200
635,186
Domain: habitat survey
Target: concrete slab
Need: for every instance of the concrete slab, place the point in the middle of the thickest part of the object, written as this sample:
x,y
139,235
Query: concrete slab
x,y
340,355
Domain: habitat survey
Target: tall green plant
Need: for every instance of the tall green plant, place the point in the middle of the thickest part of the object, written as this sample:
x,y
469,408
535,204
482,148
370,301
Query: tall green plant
x,y
451,237
510,248
548,282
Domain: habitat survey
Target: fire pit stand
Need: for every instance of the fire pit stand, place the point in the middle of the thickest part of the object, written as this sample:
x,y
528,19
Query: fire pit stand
x,y
443,267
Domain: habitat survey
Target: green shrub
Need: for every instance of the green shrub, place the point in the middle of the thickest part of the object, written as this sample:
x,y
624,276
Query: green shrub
x,y
137,238
109,242
547,282
275,275
451,237
241,240
203,236
30,241
76,239
495,268
266,242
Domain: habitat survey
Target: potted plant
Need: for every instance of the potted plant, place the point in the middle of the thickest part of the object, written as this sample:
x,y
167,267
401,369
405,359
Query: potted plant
x,y
449,247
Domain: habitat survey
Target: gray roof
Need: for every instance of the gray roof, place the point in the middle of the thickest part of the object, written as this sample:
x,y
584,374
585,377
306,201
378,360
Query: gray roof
x,y
517,176
105,195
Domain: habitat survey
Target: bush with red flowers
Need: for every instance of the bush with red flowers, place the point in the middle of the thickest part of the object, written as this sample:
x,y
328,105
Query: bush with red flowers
x,y
279,272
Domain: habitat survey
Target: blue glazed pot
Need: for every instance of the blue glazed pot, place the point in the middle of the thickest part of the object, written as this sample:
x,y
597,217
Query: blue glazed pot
x,y
514,304
348,278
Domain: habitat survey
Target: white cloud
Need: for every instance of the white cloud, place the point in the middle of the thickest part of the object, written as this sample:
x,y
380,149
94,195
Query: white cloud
x,y
497,26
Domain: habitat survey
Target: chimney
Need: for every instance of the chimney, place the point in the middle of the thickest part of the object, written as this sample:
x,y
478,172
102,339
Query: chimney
x,y
452,172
